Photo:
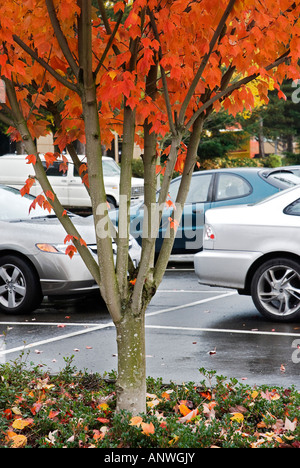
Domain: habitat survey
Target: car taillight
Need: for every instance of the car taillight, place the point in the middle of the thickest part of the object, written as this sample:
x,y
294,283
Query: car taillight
x,y
209,233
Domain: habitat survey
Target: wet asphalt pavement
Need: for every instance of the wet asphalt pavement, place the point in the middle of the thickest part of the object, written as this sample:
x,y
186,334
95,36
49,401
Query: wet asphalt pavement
x,y
188,327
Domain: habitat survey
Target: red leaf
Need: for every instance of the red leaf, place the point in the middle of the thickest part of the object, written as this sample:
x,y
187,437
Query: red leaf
x,y
71,250
28,184
68,238
31,159
103,420
50,158
53,414
50,195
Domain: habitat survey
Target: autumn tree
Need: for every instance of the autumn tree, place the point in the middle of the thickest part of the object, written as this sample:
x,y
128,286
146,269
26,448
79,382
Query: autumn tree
x,y
152,76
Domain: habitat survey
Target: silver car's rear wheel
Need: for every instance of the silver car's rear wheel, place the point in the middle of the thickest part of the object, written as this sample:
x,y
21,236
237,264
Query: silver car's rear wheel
x,y
20,290
275,289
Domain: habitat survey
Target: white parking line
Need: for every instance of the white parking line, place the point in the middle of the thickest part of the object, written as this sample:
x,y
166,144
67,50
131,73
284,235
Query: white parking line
x,y
88,327
223,330
189,291
51,340
191,304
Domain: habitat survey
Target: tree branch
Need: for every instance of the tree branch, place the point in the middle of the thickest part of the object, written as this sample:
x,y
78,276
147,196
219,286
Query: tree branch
x,y
61,38
66,222
163,75
218,96
44,64
190,161
204,62
104,16
108,46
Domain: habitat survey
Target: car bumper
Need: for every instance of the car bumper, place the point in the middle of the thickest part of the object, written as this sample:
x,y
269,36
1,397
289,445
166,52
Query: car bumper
x,y
61,275
226,269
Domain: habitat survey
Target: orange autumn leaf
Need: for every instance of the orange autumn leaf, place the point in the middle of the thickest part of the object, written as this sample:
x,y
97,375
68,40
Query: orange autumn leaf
x,y
136,421
50,195
31,159
82,242
189,416
71,251
50,158
28,184
98,435
53,414
147,428
103,420
207,395
184,410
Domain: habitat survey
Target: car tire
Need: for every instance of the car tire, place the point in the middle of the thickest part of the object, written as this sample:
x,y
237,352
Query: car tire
x,y
20,290
275,289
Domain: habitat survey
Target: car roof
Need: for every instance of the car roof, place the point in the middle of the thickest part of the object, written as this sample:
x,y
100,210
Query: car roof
x,y
294,166
22,156
263,171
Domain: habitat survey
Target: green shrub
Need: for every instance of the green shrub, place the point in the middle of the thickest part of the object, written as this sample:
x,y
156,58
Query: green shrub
x,y
274,160
138,168
220,163
75,409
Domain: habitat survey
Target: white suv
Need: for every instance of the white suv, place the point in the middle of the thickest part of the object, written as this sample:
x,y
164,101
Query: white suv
x,y
68,186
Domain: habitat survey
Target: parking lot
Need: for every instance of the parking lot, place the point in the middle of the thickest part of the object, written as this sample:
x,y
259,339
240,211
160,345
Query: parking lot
x,y
188,327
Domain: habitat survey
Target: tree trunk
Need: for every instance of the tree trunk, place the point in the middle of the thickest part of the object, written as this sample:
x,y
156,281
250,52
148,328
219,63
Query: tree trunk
x,y
261,138
290,143
131,381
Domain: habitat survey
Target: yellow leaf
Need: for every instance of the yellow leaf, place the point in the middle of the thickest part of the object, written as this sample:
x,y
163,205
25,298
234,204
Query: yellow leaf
x,y
16,410
112,74
103,406
153,403
173,441
21,423
237,417
254,394
19,441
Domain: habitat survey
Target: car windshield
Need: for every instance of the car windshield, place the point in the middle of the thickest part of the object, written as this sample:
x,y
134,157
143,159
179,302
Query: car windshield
x,y
13,206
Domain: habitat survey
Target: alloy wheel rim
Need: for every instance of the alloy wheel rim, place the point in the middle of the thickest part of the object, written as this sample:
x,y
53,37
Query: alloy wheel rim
x,y
12,286
278,290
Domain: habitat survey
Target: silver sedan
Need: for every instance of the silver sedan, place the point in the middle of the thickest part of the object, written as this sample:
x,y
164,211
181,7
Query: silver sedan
x,y
256,250
33,260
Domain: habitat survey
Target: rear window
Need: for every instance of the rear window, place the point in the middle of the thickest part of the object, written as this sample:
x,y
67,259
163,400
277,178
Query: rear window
x,y
282,180
293,209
